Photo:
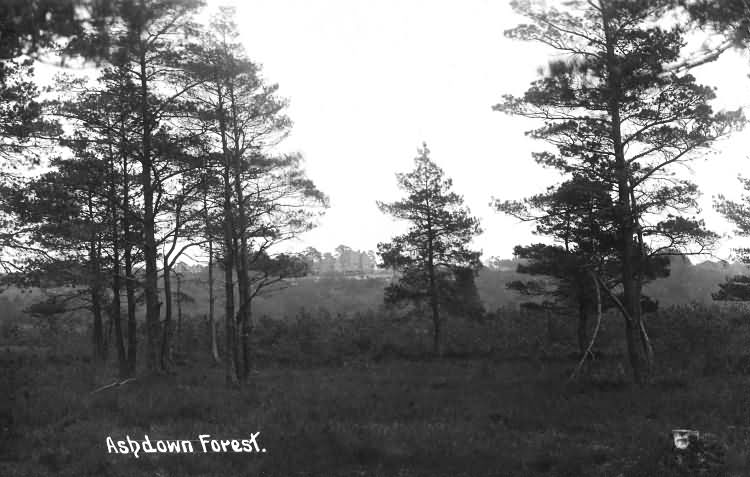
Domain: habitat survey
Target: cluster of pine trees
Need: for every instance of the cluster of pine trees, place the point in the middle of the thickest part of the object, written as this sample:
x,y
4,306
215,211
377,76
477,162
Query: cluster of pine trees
x,y
168,148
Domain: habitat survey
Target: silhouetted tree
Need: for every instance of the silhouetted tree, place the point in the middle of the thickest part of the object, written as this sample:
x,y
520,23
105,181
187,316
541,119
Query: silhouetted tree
x,y
145,46
435,248
266,198
66,214
614,112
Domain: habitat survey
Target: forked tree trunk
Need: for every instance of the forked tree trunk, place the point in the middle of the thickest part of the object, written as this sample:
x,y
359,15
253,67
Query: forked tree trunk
x,y
648,350
241,258
598,284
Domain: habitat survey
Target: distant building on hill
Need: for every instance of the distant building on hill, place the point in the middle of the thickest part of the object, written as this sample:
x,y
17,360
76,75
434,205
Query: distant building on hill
x,y
344,261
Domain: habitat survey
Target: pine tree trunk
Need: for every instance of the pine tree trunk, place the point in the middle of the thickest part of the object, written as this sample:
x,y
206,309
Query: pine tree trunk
x,y
130,296
241,259
648,350
96,308
95,286
246,364
150,286
212,303
166,335
132,325
179,308
437,345
116,309
117,316
631,298
230,363
229,319
98,338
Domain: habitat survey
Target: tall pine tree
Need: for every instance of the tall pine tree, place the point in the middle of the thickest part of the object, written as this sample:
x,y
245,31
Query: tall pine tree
x,y
617,114
435,250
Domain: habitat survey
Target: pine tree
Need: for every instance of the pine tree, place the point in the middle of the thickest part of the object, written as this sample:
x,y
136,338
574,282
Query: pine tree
x,y
436,247
616,113
146,48
266,198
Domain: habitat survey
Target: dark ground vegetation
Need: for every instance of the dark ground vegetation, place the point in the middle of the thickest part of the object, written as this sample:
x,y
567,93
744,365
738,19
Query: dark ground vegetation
x,y
341,394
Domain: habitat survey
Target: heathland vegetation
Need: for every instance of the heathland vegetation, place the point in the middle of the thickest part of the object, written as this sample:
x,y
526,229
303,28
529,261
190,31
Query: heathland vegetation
x,y
146,290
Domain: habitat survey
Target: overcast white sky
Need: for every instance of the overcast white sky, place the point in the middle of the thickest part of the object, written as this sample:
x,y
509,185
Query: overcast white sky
x,y
370,80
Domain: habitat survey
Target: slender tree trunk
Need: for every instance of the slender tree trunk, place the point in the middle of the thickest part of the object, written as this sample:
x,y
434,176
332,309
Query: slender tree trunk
x,y
630,292
100,274
96,304
166,331
151,290
230,363
95,288
132,322
437,347
243,279
246,364
178,277
98,338
648,350
229,319
243,313
211,295
243,285
242,289
129,281
237,319
596,282
212,304
116,311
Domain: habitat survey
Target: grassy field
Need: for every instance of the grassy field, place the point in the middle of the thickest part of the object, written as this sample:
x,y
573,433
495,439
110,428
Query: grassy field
x,y
388,417
360,395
